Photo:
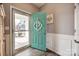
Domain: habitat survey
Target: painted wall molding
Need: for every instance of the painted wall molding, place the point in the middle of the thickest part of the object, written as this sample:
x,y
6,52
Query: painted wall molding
x,y
60,43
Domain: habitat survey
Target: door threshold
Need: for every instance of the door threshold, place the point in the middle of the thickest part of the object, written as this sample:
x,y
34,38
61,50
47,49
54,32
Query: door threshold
x,y
19,50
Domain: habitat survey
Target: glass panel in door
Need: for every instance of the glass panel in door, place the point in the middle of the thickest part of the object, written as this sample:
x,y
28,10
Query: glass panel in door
x,y
21,30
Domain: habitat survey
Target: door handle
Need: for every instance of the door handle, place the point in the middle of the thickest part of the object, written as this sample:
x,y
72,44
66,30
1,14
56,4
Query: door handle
x,y
76,41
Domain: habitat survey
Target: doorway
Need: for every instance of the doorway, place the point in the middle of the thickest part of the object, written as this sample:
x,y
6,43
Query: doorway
x,y
20,31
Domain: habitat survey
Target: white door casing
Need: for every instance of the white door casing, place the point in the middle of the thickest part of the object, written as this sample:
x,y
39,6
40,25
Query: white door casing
x,y
76,37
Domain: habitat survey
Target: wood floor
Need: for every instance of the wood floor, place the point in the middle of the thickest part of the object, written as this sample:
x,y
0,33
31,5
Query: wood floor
x,y
35,52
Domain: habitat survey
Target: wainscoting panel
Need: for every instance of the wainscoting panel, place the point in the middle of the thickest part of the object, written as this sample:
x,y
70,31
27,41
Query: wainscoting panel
x,y
60,43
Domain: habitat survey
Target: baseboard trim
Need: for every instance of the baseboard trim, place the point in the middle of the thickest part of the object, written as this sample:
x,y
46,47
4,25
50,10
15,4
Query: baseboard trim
x,y
53,52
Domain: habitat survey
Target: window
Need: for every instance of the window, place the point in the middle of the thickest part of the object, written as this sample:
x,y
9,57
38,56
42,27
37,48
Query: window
x,y
21,30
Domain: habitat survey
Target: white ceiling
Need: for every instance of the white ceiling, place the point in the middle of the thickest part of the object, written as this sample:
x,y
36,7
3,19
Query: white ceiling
x,y
38,4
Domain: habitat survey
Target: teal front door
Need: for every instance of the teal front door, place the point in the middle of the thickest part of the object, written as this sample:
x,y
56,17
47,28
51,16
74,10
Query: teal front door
x,y
38,30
